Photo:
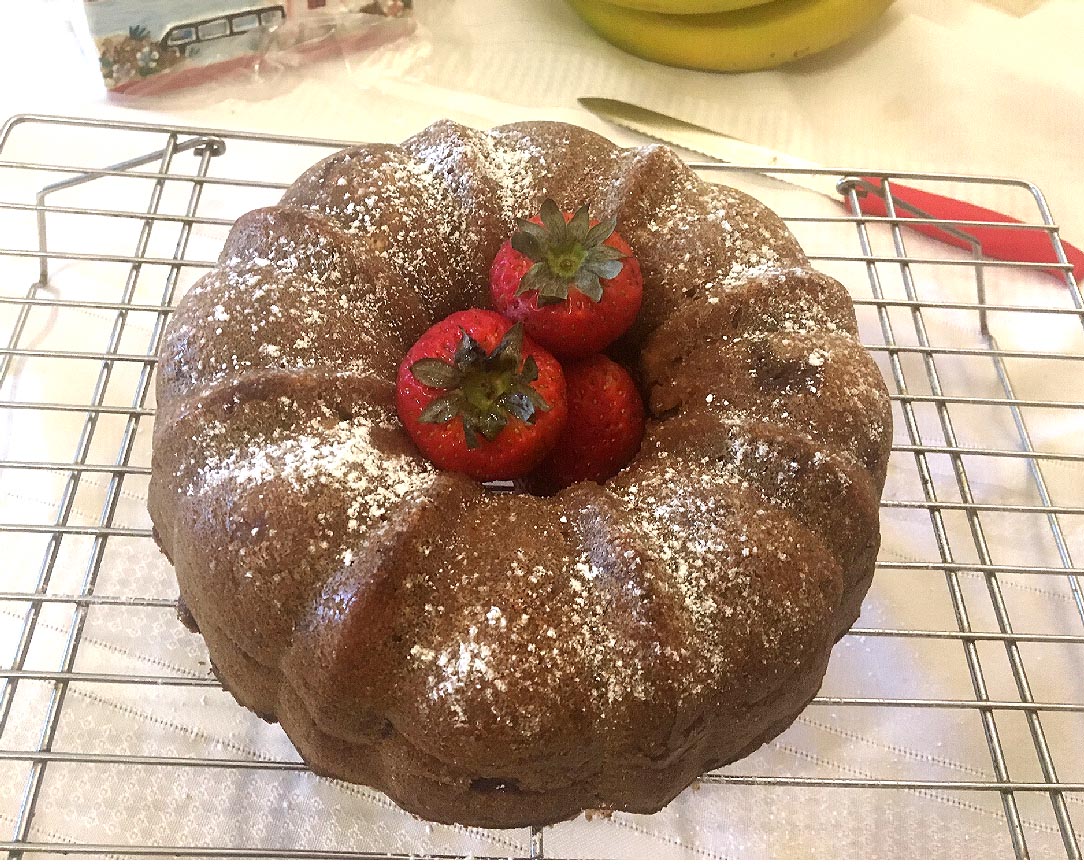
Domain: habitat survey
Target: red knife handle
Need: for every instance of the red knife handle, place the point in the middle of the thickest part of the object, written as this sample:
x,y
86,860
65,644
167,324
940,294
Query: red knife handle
x,y
1005,242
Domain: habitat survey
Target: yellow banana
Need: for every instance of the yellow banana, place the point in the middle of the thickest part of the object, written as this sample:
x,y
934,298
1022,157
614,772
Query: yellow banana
x,y
687,7
758,37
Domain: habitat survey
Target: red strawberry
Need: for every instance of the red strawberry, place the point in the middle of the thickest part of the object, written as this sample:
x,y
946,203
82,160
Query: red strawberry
x,y
575,284
478,397
604,429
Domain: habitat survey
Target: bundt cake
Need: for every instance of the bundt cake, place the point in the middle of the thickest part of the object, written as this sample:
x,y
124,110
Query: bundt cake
x,y
502,659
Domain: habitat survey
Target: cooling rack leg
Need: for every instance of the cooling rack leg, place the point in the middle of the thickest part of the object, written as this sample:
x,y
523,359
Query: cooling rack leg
x,y
9,361
52,719
1018,418
993,738
978,534
1040,484
1072,845
892,204
214,145
534,847
136,162
1059,248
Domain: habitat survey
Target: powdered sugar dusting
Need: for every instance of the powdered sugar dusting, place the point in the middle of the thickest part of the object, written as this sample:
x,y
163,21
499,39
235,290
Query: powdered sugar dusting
x,y
717,541
341,456
506,163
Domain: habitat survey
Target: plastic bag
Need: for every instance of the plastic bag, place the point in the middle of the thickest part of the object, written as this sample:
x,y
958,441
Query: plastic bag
x,y
148,46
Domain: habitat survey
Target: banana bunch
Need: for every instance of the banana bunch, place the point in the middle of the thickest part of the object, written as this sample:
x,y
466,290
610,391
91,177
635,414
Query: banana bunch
x,y
728,35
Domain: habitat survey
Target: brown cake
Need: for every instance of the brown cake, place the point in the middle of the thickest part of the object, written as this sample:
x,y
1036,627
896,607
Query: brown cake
x,y
494,659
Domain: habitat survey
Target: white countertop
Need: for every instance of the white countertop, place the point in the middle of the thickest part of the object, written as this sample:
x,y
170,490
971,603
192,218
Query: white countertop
x,y
938,85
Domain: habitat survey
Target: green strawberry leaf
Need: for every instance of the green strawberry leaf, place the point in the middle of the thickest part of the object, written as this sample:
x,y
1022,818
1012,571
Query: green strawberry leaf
x,y
529,372
533,278
518,405
469,351
441,410
554,221
587,282
579,224
603,269
490,423
470,435
434,372
525,242
604,253
552,292
510,348
598,234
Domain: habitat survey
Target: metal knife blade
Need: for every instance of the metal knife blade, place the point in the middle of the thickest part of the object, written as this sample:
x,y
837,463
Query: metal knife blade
x,y
715,145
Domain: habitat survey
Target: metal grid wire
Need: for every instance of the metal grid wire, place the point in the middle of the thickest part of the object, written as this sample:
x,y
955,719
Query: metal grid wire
x,y
171,194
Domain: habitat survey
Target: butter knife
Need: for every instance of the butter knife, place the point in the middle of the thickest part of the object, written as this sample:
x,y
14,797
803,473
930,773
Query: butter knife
x,y
1007,239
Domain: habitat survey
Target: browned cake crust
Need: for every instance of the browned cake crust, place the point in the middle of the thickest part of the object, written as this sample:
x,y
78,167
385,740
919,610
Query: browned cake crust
x,y
503,660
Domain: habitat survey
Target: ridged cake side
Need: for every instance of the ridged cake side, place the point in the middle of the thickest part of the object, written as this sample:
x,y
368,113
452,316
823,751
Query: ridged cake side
x,y
502,660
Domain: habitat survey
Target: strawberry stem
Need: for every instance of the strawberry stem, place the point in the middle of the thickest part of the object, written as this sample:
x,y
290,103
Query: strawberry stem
x,y
485,391
566,254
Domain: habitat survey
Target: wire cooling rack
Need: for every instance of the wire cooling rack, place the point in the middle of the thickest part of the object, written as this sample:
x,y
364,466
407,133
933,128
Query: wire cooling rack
x,y
952,718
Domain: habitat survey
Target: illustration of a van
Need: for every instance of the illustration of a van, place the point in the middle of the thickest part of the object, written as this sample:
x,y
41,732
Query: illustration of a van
x,y
183,36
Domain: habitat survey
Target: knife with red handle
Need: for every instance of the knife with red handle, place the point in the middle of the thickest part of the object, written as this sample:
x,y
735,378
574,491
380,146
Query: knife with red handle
x,y
1008,241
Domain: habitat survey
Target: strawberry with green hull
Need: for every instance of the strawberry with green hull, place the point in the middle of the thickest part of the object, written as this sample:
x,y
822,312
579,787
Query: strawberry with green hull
x,y
479,397
604,429
573,281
